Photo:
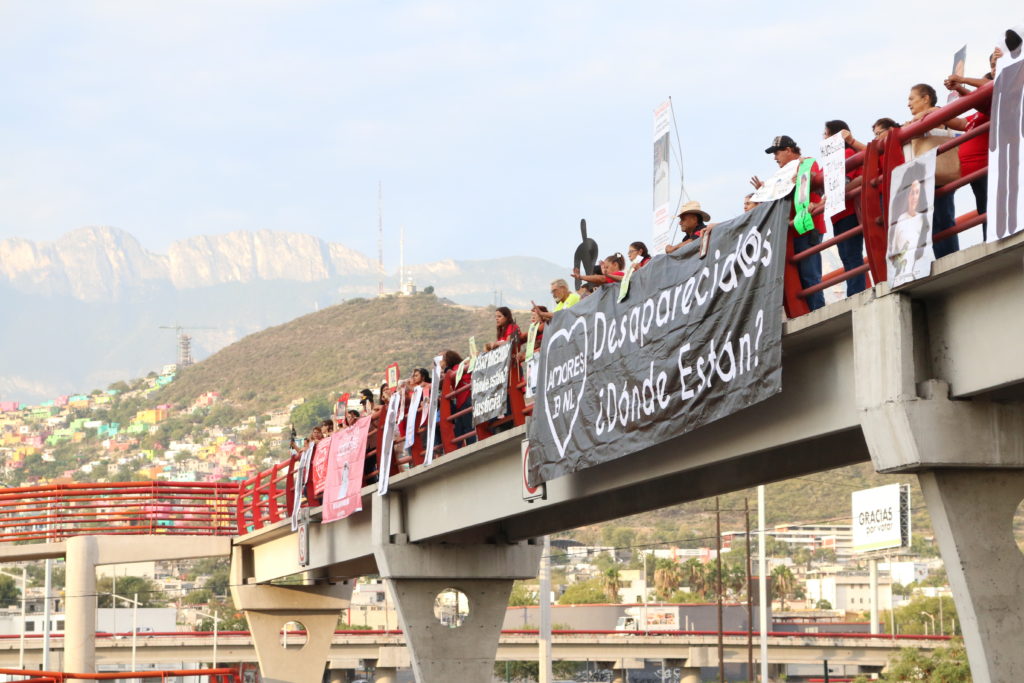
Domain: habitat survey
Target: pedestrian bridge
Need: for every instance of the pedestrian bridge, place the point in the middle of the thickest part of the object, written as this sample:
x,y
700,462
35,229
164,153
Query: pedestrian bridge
x,y
927,379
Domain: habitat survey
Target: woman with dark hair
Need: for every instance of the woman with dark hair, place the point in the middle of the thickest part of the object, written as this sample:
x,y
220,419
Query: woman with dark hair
x,y
638,250
505,327
463,398
351,417
851,250
366,401
612,269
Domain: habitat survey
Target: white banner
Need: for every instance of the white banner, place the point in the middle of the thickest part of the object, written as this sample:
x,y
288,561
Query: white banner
x,y
435,393
879,518
833,165
662,211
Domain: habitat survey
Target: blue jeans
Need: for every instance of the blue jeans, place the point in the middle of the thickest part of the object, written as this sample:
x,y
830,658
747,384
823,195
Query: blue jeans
x,y
944,217
810,267
851,251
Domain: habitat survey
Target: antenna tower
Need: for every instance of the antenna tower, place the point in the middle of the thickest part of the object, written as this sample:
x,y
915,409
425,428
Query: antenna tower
x,y
184,350
380,238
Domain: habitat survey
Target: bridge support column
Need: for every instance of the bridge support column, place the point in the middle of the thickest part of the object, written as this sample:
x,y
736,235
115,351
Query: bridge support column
x,y
341,676
385,674
268,608
445,642
80,603
689,675
969,458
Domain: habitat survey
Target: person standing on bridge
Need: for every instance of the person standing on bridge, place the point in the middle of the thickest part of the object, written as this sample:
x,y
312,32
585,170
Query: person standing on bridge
x,y
809,223
563,296
693,221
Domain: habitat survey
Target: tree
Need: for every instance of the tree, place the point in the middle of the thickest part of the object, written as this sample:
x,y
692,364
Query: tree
x,y
521,595
10,593
942,665
823,604
310,413
149,593
668,576
218,583
611,583
783,584
230,618
697,577
911,619
527,672
584,593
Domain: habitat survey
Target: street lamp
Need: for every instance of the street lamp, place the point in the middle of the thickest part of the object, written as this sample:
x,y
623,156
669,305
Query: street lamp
x,y
24,584
932,619
135,625
216,622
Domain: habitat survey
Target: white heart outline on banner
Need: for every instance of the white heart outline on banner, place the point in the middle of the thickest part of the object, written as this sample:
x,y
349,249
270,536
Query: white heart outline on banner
x,y
567,333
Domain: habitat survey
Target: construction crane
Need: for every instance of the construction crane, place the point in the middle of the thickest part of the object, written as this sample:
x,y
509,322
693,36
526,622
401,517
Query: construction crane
x,y
184,343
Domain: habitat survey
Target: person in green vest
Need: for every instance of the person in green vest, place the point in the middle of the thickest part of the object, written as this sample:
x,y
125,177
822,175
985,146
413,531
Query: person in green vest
x,y
808,227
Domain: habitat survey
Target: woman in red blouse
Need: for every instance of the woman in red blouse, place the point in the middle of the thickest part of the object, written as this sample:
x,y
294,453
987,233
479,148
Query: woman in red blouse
x,y
505,327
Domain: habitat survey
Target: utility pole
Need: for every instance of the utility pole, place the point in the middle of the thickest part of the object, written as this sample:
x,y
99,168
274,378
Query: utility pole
x,y
762,583
544,600
750,596
718,562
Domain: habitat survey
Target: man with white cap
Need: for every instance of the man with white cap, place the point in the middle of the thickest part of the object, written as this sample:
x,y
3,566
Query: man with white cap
x,y
692,220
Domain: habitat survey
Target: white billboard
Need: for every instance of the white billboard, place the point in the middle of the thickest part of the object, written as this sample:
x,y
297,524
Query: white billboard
x,y
881,518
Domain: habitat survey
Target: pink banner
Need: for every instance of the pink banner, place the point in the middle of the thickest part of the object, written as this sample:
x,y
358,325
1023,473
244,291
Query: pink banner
x,y
345,471
319,464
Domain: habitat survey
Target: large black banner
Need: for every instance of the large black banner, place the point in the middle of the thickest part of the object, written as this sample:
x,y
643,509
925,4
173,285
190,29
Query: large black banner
x,y
695,340
490,384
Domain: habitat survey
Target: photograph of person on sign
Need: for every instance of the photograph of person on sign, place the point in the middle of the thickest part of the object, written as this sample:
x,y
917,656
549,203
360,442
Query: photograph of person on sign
x,y
1006,136
909,255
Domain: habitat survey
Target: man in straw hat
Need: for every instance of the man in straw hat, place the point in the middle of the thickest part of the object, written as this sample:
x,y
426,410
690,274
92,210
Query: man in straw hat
x,y
692,220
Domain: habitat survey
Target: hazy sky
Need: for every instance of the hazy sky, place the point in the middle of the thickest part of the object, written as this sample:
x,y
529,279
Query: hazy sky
x,y
494,128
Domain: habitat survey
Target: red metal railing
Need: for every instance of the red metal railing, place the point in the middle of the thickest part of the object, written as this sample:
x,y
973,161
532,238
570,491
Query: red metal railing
x,y
267,497
223,675
54,513
872,196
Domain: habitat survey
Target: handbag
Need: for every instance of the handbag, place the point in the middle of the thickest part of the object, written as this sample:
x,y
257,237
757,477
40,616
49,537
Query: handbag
x,y
947,164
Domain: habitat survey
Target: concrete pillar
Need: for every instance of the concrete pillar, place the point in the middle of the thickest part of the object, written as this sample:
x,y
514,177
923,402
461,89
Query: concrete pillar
x,y
80,605
689,675
972,515
268,608
969,457
417,572
386,675
340,676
